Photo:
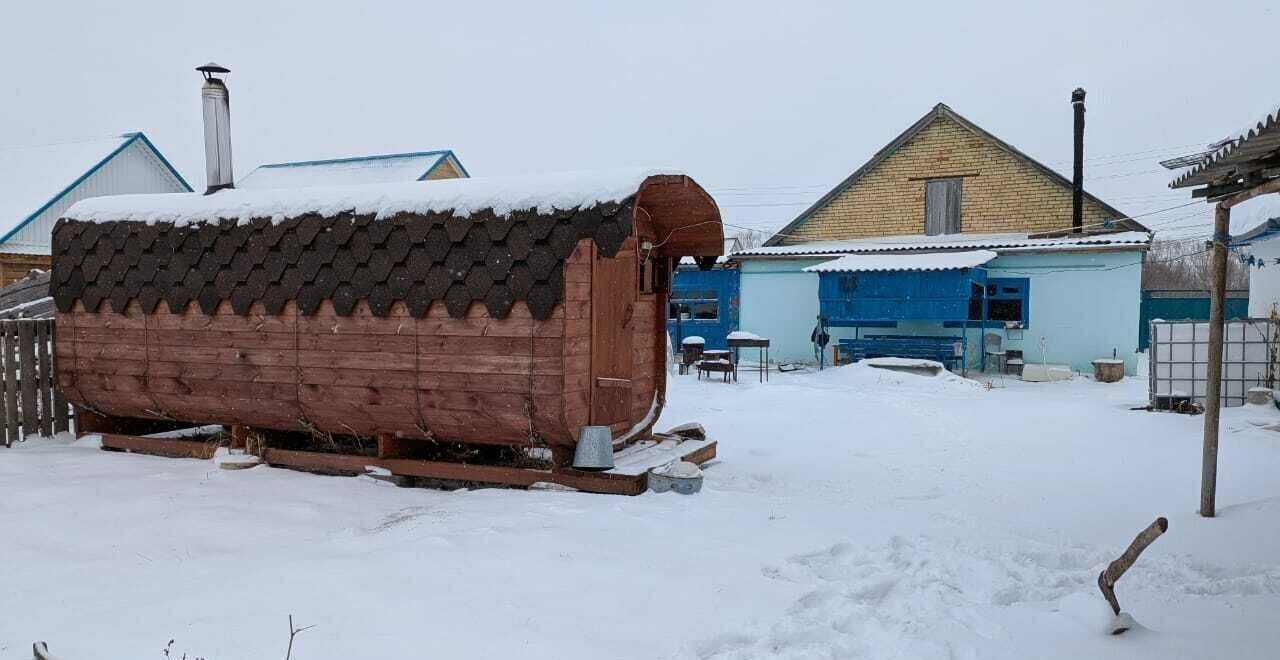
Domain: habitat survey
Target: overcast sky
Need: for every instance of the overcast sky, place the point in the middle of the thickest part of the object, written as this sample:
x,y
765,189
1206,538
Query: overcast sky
x,y
766,104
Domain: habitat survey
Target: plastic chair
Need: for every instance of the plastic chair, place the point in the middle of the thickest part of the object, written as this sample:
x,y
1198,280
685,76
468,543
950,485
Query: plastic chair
x,y
992,348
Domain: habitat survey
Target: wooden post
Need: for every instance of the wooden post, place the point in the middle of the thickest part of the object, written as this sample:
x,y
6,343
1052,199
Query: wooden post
x,y
60,421
45,370
389,446
1213,388
27,377
239,436
5,384
12,429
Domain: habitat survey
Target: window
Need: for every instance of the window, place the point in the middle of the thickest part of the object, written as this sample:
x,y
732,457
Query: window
x,y
942,206
975,301
1008,300
695,305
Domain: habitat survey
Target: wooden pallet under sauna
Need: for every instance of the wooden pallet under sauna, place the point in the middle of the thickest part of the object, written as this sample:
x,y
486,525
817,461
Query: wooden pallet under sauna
x,y
628,477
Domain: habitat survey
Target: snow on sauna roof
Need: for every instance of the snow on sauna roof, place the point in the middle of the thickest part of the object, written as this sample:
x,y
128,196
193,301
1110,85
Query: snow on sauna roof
x,y
913,242
855,263
360,170
502,194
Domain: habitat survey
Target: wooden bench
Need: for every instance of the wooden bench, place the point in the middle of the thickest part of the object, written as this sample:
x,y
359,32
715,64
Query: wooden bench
x,y
939,349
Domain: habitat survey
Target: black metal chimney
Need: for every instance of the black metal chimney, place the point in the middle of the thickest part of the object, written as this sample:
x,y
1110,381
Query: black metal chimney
x,y
1077,163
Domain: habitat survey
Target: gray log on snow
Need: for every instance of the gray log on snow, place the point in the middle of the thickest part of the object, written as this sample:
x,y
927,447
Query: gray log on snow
x,y
1107,578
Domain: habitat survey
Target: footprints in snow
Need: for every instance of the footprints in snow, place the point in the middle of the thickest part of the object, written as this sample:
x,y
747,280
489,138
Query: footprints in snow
x,y
926,597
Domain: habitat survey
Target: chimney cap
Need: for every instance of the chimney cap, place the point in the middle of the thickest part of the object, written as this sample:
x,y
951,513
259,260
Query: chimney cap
x,y
1077,95
211,68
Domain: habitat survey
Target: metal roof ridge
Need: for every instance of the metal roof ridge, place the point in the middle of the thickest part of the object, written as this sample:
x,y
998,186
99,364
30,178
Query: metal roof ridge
x,y
356,159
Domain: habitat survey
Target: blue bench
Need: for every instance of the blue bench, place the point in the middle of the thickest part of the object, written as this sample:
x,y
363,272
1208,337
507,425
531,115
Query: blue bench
x,y
939,349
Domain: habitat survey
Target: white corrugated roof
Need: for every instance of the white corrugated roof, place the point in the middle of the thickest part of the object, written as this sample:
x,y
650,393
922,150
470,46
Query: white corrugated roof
x,y
390,168
33,176
914,242
1227,148
854,263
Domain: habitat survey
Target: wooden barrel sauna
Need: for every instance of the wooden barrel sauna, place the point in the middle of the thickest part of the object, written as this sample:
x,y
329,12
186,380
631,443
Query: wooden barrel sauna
x,y
405,310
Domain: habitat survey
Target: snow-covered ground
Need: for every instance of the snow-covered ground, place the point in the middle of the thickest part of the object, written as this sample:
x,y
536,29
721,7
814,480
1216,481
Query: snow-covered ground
x,y
852,513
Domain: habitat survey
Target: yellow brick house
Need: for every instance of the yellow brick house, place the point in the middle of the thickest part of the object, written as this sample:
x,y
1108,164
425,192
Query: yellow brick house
x,y
950,238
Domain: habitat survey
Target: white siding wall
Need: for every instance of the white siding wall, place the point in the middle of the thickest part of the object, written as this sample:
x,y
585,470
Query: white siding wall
x,y
134,170
1264,283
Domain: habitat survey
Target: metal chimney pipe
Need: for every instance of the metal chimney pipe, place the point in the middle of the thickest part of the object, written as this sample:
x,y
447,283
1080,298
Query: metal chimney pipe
x,y
1077,163
217,128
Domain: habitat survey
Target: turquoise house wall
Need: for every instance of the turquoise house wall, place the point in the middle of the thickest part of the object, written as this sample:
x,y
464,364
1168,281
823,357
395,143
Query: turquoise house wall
x,y
1178,309
1083,304
778,301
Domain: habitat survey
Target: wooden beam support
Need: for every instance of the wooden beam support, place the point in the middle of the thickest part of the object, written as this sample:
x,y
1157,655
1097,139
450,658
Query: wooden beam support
x,y
1272,186
389,446
610,483
169,447
88,421
594,482
1217,301
239,436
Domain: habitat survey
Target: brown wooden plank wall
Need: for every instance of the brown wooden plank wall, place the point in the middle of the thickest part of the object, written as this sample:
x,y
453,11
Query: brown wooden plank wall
x,y
577,336
468,379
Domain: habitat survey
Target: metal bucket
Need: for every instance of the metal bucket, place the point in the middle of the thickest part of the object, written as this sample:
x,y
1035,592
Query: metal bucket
x,y
595,449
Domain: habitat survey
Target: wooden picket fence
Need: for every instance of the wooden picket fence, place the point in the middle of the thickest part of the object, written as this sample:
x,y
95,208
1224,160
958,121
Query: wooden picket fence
x,y
32,403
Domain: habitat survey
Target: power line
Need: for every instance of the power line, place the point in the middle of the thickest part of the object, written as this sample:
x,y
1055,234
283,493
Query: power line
x,y
800,188
1146,154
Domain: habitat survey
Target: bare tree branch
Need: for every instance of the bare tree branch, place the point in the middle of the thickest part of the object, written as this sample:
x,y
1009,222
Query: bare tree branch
x,y
293,632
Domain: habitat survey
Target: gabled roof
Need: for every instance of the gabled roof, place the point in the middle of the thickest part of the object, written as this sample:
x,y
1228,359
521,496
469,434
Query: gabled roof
x,y
358,170
939,111
33,178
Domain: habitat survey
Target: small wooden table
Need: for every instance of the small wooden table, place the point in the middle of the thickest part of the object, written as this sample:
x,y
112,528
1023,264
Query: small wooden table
x,y
761,343
720,366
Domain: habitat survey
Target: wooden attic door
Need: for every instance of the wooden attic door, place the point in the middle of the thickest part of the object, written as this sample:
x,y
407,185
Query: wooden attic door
x,y
613,296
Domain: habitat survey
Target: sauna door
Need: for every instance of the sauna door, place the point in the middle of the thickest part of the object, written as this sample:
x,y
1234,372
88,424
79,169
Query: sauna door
x,y
613,295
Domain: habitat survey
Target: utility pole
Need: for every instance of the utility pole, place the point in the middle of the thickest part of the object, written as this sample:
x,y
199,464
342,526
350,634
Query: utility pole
x,y
1213,388
1217,296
